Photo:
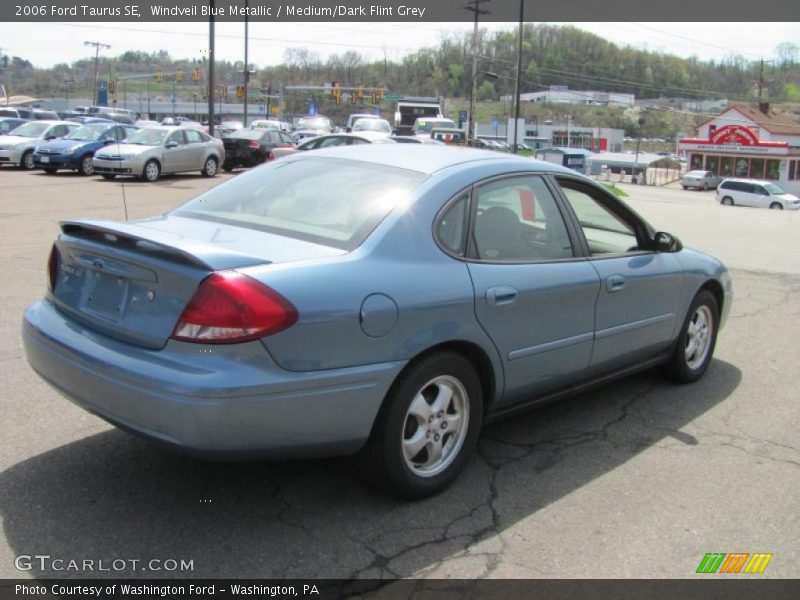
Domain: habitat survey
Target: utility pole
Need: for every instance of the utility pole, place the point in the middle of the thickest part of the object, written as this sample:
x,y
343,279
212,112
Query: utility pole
x,y
474,7
97,47
211,68
246,64
519,76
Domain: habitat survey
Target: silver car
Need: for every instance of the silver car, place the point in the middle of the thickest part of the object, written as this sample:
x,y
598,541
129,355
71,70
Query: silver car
x,y
153,151
17,149
702,180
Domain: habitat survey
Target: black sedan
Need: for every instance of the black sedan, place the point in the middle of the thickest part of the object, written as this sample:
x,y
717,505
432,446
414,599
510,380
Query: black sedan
x,y
251,147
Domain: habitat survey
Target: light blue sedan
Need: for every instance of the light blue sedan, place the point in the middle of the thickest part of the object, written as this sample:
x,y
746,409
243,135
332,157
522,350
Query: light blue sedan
x,y
380,300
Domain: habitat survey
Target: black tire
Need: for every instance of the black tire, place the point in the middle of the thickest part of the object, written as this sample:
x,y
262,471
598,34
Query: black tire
x,y
679,367
210,168
108,176
705,187
26,162
86,167
727,201
382,460
227,168
776,206
684,187
50,170
151,171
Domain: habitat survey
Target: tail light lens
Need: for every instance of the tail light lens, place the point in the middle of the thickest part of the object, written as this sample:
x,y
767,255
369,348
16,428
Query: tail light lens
x,y
52,268
229,308
253,144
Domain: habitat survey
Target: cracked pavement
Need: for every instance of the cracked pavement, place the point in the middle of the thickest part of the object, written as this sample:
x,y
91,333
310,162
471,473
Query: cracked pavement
x,y
637,479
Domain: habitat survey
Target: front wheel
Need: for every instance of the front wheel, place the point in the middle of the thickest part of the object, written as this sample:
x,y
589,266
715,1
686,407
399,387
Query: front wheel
x,y
695,346
705,187
86,166
426,428
27,163
776,206
151,171
210,168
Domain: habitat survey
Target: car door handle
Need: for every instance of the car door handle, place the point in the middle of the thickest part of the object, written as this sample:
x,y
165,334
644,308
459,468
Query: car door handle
x,y
615,283
501,295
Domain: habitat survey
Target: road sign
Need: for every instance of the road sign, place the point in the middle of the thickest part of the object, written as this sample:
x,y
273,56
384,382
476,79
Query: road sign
x,y
312,108
377,110
262,109
393,97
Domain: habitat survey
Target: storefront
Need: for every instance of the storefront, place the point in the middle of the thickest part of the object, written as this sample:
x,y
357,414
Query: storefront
x,y
748,142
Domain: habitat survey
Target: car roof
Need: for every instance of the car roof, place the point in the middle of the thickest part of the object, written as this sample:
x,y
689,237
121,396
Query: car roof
x,y
745,180
426,158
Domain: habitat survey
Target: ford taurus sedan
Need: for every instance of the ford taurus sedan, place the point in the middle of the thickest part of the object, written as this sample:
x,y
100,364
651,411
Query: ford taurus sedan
x,y
368,300
154,151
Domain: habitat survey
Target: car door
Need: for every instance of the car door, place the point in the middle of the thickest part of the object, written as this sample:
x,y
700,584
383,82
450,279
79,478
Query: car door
x,y
534,295
175,156
196,149
760,197
640,288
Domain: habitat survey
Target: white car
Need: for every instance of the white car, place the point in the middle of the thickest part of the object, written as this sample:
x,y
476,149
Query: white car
x,y
375,127
757,193
702,180
17,149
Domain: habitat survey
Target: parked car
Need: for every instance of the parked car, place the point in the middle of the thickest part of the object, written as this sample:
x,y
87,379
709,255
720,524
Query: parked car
x,y
380,127
17,148
85,120
154,151
423,126
756,193
251,147
368,300
312,127
452,136
267,124
76,150
228,127
351,120
8,124
702,180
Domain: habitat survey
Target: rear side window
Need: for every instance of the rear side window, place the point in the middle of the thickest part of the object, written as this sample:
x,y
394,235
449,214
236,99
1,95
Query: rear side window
x,y
328,201
451,227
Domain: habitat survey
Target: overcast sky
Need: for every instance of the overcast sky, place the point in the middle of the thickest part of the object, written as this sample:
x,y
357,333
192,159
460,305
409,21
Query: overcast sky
x,y
46,44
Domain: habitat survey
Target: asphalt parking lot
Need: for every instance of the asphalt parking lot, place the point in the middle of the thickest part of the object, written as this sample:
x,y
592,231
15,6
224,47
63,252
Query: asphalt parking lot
x,y
640,479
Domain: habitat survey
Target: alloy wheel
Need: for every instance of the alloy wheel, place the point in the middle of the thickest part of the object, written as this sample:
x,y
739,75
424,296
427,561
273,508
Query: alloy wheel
x,y
698,338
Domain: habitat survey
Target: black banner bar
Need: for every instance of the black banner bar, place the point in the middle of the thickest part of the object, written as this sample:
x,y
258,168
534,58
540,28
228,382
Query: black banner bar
x,y
333,11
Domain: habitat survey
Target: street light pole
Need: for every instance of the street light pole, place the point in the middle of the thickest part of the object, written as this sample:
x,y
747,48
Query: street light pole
x,y
476,10
519,76
97,47
211,69
246,66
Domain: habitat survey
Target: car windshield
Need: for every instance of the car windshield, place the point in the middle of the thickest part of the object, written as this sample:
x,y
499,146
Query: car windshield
x,y
328,201
315,123
88,133
31,129
148,136
265,125
773,189
372,125
425,125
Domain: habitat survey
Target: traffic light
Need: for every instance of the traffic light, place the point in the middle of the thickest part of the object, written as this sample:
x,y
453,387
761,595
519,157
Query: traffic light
x,y
360,93
159,76
196,74
336,92
240,91
179,75
111,87
382,95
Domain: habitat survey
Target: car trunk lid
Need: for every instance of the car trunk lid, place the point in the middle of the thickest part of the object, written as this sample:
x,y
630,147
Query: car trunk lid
x,y
131,281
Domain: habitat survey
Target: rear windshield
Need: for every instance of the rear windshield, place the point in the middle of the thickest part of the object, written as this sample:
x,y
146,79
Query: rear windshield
x,y
328,201
247,134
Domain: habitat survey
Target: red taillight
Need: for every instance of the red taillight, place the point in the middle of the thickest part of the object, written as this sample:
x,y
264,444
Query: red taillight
x,y
229,307
270,156
253,144
52,268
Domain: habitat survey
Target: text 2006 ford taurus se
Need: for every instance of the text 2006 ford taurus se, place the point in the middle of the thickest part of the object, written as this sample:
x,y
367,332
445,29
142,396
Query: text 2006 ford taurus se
x,y
381,301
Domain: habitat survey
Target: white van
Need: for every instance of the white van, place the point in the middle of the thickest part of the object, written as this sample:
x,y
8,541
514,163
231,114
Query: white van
x,y
755,192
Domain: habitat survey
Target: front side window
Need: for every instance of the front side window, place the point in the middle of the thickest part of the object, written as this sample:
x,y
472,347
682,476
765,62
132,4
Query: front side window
x,y
327,201
517,219
605,231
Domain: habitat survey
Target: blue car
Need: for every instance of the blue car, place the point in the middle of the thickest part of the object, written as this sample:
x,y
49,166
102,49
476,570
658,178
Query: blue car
x,y
381,300
76,150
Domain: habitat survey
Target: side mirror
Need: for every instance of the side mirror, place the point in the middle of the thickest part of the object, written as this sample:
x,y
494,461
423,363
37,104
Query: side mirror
x,y
349,130
107,141
172,144
666,242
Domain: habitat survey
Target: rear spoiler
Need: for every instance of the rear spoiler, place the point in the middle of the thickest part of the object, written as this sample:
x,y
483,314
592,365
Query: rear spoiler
x,y
165,246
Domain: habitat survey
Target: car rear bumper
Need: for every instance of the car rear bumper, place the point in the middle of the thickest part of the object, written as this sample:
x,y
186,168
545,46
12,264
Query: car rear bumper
x,y
214,401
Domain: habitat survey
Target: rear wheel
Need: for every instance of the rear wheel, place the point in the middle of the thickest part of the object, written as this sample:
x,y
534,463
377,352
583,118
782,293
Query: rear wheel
x,y
426,428
776,206
210,168
727,201
695,346
705,187
27,162
86,166
151,171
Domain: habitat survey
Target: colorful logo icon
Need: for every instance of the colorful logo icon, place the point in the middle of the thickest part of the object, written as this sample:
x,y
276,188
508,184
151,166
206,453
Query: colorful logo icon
x,y
735,562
